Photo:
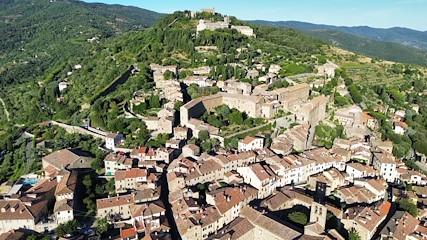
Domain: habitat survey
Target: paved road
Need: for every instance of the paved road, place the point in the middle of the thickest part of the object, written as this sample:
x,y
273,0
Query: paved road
x,y
5,110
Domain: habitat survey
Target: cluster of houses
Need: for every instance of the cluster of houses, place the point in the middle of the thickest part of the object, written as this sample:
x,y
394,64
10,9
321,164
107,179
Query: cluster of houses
x,y
232,180
226,195
137,208
40,204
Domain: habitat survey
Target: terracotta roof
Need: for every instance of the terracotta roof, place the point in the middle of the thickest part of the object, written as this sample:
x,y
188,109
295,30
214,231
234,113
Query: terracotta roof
x,y
421,229
359,166
370,218
406,225
385,207
128,233
68,183
19,234
309,237
209,166
248,140
400,124
36,198
209,215
260,172
111,135
14,210
142,150
420,190
291,89
147,194
112,157
63,205
227,198
114,201
276,201
268,224
314,227
130,173
147,209
385,157
61,158
378,184
238,228
50,170
193,147
366,116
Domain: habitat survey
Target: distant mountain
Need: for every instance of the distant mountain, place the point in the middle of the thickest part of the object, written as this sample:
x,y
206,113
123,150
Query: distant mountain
x,y
38,35
404,36
350,38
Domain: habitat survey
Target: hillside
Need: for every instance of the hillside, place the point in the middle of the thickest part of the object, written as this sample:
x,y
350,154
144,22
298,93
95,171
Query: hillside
x,y
404,36
396,44
36,36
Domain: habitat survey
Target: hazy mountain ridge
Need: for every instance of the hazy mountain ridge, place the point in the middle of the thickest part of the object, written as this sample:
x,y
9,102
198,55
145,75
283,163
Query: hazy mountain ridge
x,y
405,36
387,50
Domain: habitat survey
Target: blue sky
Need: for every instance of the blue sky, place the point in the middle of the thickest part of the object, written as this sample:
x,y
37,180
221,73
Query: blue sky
x,y
374,13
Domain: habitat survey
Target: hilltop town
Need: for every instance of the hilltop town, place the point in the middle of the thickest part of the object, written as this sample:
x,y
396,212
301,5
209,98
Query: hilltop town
x,y
245,149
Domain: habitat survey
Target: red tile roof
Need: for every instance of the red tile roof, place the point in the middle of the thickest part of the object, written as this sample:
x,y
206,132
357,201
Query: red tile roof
x,y
130,173
247,140
127,233
114,201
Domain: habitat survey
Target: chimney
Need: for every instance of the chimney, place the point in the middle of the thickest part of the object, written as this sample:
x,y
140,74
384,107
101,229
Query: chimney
x,y
5,208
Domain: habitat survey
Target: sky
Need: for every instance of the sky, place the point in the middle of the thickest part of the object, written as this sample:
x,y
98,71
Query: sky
x,y
373,13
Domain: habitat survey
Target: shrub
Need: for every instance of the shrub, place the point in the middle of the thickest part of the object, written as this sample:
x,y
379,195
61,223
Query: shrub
x,y
298,217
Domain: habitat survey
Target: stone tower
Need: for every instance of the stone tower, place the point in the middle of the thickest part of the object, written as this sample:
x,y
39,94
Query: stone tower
x,y
318,214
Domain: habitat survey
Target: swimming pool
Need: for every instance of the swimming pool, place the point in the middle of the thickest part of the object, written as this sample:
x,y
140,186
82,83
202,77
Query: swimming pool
x,y
30,181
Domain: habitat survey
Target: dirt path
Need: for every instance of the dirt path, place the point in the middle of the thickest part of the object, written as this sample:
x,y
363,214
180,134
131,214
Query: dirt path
x,y
5,110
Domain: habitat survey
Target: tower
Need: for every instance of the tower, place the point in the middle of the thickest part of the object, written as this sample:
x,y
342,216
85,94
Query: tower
x,y
320,192
318,214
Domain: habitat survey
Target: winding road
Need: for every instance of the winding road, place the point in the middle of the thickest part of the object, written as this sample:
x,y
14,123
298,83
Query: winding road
x,y
5,110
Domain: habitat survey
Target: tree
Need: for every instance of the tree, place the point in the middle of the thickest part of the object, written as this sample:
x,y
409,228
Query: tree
x,y
96,164
87,182
355,93
168,75
102,226
177,105
204,135
223,110
408,206
354,235
234,142
110,187
236,117
298,217
154,101
206,146
69,227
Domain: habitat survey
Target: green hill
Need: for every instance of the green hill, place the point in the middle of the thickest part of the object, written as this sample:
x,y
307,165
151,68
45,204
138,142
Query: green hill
x,y
398,45
376,49
36,36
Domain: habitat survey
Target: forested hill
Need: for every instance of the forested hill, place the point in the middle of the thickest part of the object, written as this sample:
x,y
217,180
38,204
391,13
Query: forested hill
x,y
404,36
38,35
405,50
